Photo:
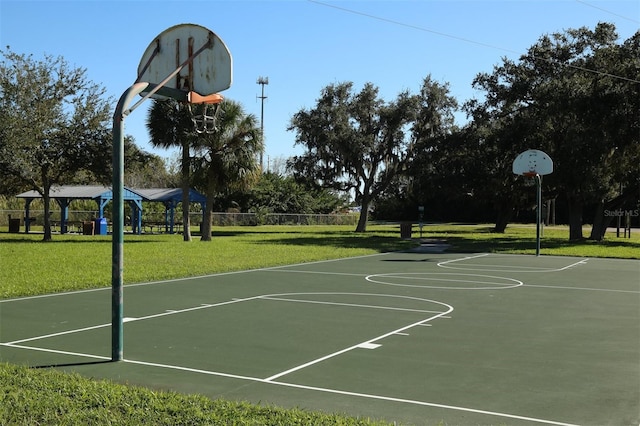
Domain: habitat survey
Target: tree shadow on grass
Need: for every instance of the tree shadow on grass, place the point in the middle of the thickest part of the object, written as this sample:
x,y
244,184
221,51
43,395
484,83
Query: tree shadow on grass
x,y
378,243
78,240
506,244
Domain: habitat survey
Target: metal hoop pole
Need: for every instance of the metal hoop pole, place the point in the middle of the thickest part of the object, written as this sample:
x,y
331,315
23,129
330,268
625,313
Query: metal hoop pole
x,y
117,241
538,211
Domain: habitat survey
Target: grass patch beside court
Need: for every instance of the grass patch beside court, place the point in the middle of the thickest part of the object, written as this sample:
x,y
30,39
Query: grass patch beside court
x,y
521,239
76,262
49,397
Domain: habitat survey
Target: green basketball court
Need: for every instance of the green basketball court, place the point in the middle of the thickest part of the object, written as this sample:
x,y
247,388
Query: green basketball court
x,y
413,337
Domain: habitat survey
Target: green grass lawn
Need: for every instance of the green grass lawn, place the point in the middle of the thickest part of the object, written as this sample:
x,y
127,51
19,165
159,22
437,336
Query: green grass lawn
x,y
522,239
72,262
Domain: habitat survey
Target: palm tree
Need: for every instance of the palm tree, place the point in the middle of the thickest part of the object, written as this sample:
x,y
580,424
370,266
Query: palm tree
x,y
169,126
227,159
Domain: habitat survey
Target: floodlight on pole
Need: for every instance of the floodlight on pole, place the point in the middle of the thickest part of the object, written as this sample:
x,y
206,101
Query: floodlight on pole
x,y
263,81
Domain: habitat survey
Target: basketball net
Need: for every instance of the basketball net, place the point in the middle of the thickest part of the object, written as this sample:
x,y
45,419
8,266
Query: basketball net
x,y
529,178
205,122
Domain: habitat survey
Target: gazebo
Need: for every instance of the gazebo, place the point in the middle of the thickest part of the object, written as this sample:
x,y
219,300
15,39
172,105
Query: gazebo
x,y
64,194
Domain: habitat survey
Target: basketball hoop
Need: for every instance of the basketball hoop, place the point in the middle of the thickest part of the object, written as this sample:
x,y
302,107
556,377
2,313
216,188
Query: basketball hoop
x,y
188,63
529,178
205,122
533,164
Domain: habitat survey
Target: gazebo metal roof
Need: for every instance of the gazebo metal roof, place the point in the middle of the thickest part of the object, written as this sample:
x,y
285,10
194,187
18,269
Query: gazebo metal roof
x,y
82,192
170,197
173,195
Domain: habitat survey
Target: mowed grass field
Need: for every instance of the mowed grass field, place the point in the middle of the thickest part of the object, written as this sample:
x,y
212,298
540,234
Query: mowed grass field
x,y
75,262
72,262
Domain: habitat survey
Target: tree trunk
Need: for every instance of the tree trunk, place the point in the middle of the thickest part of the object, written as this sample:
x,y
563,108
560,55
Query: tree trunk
x,y
601,221
208,219
575,218
505,212
599,226
364,215
186,187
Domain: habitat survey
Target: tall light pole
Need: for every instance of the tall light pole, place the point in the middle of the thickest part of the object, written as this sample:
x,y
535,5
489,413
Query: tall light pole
x,y
262,81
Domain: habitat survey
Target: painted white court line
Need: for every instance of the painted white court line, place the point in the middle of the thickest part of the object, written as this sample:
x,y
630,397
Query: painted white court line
x,y
44,296
55,351
356,394
424,403
494,283
312,388
581,262
356,346
355,305
559,287
229,302
502,268
480,266
62,333
369,346
301,271
462,259
132,319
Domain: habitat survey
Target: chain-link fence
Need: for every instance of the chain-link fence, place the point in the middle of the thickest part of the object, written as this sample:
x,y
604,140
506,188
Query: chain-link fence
x,y
37,216
219,219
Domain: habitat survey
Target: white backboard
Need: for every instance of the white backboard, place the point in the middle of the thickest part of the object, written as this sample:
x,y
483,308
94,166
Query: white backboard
x,y
209,72
533,161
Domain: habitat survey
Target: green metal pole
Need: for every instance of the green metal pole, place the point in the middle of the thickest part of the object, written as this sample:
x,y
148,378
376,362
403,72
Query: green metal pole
x,y
538,212
117,242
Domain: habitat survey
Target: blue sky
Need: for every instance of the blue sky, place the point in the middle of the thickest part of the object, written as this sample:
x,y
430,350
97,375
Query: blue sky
x,y
302,46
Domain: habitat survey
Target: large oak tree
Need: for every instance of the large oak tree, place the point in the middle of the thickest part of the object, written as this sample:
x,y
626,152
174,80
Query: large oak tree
x,y
574,95
357,142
